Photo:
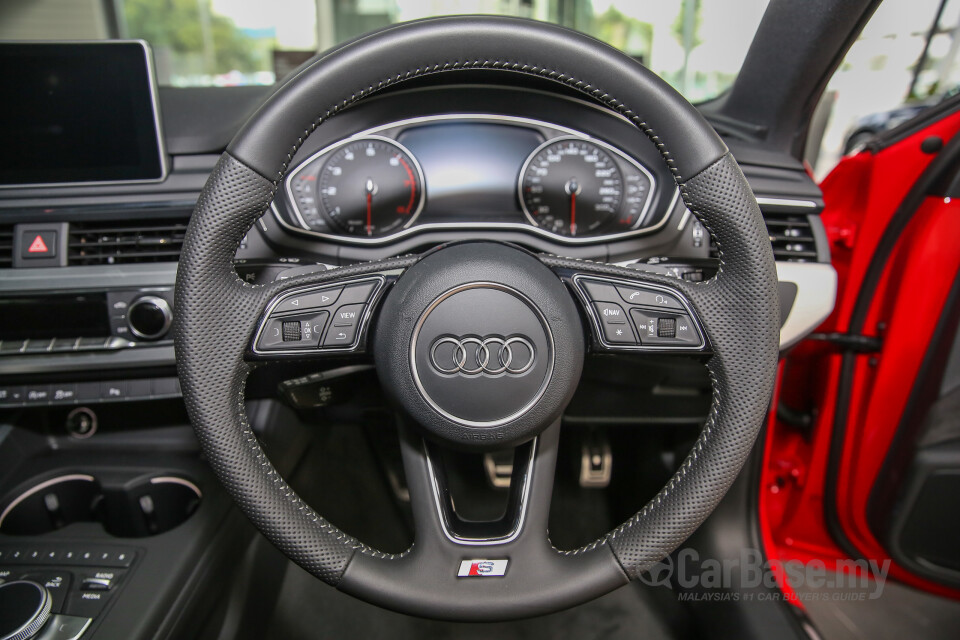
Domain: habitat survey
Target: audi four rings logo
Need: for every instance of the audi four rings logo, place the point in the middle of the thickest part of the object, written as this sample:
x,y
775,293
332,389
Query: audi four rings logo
x,y
491,355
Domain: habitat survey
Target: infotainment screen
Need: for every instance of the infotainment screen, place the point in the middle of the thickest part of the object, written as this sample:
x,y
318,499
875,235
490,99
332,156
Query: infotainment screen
x,y
78,113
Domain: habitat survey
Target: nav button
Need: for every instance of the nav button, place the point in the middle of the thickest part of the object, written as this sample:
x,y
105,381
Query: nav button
x,y
613,320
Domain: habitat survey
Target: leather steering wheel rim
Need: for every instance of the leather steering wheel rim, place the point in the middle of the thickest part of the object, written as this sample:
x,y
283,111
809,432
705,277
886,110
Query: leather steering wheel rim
x,y
216,313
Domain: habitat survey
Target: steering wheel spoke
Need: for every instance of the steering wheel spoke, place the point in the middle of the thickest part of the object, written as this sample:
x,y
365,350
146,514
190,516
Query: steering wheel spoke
x,y
327,318
437,516
637,313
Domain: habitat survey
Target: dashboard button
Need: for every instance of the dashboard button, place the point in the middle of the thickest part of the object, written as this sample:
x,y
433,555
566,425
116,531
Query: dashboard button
x,y
116,390
11,396
37,394
312,300
65,393
649,298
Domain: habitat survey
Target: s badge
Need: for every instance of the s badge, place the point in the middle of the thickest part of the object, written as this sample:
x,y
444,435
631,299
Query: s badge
x,y
482,568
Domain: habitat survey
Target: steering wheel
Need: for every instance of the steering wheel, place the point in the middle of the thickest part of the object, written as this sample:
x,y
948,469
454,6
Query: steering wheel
x,y
481,344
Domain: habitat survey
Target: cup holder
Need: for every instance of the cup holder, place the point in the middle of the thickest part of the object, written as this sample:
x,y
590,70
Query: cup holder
x,y
128,505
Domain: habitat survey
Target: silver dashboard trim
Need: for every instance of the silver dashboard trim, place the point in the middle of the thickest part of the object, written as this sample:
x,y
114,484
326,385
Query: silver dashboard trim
x,y
816,296
157,122
544,127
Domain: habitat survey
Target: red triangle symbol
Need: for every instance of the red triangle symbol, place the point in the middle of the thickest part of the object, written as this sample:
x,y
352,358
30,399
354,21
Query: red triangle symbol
x,y
38,246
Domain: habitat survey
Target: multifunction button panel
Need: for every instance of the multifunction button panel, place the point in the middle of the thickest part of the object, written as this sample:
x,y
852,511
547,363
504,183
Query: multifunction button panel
x,y
318,318
638,316
80,578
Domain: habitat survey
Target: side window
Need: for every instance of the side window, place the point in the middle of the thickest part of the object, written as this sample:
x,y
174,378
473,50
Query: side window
x,y
906,60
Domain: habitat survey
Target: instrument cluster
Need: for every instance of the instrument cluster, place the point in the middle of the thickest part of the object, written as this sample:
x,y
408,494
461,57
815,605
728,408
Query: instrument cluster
x,y
469,172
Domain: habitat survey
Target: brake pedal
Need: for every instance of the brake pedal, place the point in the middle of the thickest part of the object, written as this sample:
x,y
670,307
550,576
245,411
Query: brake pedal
x,y
499,468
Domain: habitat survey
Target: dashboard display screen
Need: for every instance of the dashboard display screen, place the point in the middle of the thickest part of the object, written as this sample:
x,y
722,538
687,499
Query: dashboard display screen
x,y
471,169
83,112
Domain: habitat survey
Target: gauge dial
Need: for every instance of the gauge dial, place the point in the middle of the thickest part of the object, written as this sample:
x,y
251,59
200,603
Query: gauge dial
x,y
370,187
571,188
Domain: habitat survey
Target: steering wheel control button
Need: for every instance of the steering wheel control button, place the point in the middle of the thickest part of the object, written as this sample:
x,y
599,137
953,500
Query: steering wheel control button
x,y
667,328
659,316
648,298
599,292
610,313
664,331
358,293
344,328
315,300
293,332
316,318
613,319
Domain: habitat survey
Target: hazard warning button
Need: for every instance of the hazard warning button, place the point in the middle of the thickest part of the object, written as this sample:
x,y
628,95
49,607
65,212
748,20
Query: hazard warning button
x,y
38,244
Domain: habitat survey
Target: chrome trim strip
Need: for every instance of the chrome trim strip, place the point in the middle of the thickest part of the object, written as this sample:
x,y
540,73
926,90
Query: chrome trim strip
x,y
598,328
816,296
176,480
602,145
157,123
413,354
545,128
786,202
40,487
321,350
511,535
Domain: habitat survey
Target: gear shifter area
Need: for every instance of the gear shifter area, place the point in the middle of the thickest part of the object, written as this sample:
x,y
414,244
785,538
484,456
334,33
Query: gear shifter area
x,y
25,614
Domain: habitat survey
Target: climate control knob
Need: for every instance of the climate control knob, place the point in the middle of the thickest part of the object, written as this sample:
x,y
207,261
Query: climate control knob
x,y
149,317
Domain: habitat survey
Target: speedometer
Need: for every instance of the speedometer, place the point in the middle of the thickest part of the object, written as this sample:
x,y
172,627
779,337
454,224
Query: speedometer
x,y
370,187
571,187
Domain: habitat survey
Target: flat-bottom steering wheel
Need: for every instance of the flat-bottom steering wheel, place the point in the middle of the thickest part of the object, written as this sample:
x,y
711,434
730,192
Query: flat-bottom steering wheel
x,y
481,344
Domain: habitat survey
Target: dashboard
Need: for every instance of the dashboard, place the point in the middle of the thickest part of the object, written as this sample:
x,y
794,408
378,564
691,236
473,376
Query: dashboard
x,y
400,172
470,171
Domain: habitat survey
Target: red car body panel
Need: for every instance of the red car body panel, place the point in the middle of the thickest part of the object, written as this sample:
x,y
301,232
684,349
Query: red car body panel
x,y
861,195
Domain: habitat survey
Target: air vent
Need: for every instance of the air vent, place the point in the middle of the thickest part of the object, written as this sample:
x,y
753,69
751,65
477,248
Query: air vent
x,y
791,237
126,241
6,246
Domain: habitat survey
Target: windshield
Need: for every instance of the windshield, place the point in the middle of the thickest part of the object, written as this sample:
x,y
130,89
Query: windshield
x,y
697,46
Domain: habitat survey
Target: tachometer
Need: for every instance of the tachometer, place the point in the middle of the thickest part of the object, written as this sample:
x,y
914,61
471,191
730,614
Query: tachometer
x,y
370,187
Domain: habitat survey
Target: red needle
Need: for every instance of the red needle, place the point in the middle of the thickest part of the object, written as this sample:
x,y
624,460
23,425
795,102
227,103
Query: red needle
x,y
369,214
573,213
